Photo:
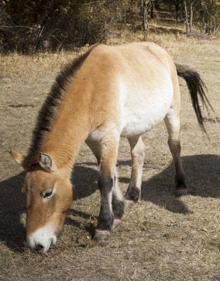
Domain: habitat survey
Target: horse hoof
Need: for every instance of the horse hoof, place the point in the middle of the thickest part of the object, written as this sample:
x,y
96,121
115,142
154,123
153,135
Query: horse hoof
x,y
133,194
129,203
181,192
116,223
102,236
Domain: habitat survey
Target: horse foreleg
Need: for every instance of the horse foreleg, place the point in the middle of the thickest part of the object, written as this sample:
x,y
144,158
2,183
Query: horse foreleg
x,y
117,197
112,205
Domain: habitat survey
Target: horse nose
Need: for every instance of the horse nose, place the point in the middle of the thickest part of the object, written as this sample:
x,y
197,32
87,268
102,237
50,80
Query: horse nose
x,y
39,247
41,239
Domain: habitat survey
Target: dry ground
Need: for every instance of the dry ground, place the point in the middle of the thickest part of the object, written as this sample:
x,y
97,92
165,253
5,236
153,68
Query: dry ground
x,y
160,238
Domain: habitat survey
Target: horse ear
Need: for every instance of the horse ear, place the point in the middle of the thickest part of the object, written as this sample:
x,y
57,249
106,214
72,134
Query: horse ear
x,y
18,156
46,162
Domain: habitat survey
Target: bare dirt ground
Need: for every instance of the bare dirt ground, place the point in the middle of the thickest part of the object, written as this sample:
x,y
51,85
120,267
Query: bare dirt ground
x,y
160,238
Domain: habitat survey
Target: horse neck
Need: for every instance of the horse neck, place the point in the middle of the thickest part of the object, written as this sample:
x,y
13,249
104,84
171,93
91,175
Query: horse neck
x,y
69,129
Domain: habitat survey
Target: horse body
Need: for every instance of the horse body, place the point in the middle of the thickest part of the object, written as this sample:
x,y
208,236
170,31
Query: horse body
x,y
107,92
140,87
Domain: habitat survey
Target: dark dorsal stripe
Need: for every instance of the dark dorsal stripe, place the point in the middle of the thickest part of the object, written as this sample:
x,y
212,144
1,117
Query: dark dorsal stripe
x,y
55,97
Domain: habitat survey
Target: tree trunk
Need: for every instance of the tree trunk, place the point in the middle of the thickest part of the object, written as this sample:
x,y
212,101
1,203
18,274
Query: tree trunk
x,y
152,10
177,10
144,7
186,17
191,17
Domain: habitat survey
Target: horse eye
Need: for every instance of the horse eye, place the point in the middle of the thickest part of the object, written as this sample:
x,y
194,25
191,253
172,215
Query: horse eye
x,y
47,194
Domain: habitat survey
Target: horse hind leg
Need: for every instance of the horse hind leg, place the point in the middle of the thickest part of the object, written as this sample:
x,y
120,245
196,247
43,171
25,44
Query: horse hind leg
x,y
172,123
95,148
137,155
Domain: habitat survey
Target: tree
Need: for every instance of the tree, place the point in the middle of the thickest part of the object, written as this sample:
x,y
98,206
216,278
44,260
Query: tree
x,y
144,12
210,15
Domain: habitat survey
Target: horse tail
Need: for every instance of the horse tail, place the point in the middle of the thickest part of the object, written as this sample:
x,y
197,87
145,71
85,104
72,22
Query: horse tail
x,y
197,89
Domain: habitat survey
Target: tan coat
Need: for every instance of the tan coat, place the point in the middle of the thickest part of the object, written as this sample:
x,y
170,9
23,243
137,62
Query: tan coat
x,y
107,92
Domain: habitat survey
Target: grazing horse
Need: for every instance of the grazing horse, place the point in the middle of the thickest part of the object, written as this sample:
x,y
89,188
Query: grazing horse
x,y
107,92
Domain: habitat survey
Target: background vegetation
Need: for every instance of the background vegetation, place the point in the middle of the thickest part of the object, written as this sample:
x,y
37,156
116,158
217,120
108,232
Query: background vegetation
x,y
28,26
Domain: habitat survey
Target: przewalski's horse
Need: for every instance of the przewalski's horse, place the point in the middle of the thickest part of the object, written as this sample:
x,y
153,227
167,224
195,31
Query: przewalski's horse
x,y
108,92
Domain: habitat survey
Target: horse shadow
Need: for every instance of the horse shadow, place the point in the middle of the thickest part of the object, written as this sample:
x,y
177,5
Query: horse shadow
x,y
203,179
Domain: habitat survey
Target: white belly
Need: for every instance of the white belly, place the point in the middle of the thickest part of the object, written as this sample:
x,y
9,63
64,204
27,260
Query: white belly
x,y
142,111
139,109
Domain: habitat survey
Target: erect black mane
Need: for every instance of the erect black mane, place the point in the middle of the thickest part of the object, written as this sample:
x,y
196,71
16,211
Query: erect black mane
x,y
55,97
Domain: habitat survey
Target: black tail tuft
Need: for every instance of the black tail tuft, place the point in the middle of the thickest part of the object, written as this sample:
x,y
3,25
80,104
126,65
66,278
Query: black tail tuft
x,y
197,90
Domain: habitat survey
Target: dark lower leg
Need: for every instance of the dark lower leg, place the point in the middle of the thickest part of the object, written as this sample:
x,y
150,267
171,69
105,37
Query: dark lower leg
x,y
118,207
134,189
137,153
175,149
106,217
133,193
117,200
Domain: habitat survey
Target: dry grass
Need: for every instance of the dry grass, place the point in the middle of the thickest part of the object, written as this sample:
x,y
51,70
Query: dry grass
x,y
162,237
